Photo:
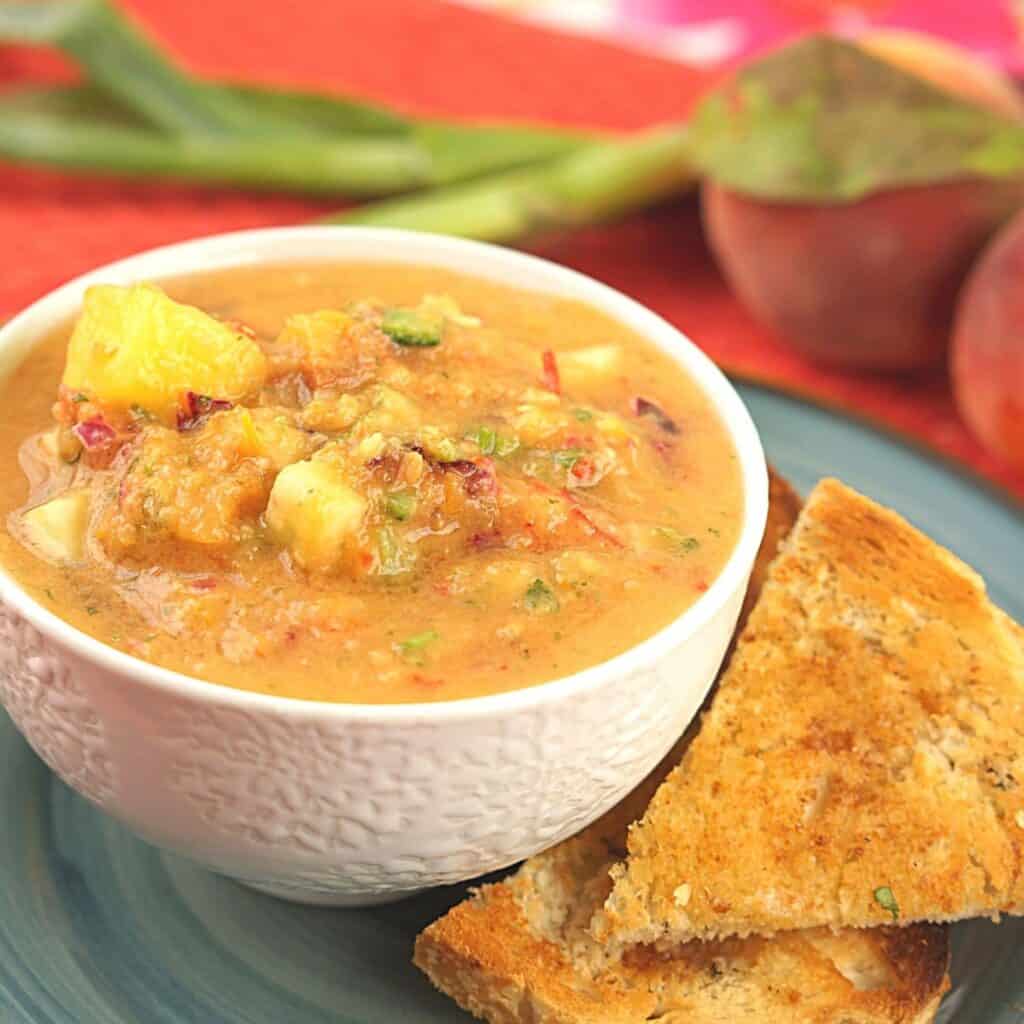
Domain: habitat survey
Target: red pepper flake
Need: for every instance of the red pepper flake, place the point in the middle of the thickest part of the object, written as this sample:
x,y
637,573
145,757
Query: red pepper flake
x,y
663,448
197,409
579,511
484,540
205,583
701,585
94,433
427,682
584,469
552,379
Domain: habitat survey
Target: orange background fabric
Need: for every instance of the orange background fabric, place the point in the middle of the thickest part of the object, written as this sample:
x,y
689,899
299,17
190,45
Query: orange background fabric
x,y
426,56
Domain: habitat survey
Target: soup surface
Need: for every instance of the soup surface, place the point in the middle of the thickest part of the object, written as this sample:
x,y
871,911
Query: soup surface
x,y
361,483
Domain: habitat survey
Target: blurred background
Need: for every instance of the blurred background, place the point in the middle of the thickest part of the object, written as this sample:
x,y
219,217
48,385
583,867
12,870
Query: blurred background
x,y
822,195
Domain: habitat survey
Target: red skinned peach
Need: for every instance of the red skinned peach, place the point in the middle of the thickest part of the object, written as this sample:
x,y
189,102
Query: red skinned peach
x,y
988,346
869,283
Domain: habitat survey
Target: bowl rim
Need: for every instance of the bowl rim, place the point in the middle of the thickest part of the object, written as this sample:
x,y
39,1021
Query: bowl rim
x,y
491,262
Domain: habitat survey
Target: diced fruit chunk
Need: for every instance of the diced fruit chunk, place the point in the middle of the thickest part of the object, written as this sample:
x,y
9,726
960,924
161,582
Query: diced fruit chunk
x,y
57,528
316,514
391,412
137,347
586,364
269,434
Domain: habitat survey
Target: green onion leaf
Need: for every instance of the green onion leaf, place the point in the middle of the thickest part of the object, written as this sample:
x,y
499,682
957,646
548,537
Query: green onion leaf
x,y
418,641
567,457
400,506
506,446
887,901
487,440
583,415
681,543
540,598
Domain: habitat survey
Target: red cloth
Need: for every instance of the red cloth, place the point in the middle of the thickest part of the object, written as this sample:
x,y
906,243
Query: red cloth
x,y
427,56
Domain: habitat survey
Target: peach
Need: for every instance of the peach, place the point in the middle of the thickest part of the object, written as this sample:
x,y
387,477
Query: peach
x,y
872,283
987,357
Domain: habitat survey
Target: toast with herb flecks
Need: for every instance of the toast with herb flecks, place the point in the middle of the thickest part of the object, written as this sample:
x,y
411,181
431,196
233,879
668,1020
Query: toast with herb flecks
x,y
520,951
863,760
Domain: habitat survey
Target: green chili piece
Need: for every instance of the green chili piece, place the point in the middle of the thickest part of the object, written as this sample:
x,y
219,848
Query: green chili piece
x,y
418,641
540,598
400,506
411,328
681,543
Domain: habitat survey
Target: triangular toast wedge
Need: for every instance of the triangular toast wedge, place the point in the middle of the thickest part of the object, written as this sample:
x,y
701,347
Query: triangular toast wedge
x,y
520,951
863,760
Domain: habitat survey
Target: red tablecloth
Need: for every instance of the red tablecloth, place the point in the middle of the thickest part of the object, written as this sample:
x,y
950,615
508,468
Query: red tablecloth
x,y
428,56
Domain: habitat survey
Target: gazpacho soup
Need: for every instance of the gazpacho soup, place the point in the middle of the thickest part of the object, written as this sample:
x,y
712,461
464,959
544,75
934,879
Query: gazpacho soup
x,y
364,483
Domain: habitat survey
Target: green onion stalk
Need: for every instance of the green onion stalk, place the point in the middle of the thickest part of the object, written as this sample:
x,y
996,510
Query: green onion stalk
x,y
599,182
140,115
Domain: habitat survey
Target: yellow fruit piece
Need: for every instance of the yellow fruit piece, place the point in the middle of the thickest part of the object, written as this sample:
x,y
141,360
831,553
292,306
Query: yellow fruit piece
x,y
317,335
316,514
135,346
57,528
391,412
585,365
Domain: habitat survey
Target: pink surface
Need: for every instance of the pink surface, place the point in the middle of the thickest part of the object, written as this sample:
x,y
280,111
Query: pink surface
x,y
988,27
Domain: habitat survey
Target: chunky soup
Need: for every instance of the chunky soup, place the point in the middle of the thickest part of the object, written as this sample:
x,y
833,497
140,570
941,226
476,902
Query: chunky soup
x,y
361,483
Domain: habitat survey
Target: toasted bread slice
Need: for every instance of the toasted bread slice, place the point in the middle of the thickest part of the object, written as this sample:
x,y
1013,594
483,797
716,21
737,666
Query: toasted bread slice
x,y
521,951
863,761
509,957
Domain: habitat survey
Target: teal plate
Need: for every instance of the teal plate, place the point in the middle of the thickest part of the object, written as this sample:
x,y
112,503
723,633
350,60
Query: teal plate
x,y
96,927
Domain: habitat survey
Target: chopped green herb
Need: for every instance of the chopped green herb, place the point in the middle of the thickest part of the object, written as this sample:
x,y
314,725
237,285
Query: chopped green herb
x,y
567,457
682,543
714,531
412,328
540,598
79,396
487,440
887,901
418,641
506,446
400,506
49,593
91,609
490,442
583,415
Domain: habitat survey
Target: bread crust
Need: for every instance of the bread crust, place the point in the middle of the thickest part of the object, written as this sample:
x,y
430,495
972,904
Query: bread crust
x,y
521,952
489,956
863,761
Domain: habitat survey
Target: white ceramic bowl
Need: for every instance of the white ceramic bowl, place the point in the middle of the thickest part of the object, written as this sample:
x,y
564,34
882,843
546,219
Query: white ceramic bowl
x,y
354,804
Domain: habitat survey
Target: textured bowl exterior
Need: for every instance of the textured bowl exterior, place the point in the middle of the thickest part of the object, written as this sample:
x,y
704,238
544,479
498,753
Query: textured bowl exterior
x,y
336,811
356,804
